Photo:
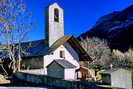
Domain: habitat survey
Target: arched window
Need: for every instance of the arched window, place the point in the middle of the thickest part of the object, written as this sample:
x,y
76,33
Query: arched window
x,y
56,15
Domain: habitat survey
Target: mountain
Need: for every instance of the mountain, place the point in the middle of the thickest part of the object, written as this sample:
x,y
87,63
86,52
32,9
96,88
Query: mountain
x,y
116,28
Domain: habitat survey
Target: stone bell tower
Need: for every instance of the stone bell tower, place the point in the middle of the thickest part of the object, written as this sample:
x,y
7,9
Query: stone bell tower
x,y
54,24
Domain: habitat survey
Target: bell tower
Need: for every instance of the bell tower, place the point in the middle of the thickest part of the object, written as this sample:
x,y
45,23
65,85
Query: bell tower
x,y
54,24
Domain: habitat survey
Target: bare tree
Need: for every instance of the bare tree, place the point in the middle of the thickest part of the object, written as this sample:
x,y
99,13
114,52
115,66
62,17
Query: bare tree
x,y
129,54
123,59
98,50
15,24
102,56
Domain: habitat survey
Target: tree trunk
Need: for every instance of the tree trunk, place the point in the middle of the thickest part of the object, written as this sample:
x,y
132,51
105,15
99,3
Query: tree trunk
x,y
19,63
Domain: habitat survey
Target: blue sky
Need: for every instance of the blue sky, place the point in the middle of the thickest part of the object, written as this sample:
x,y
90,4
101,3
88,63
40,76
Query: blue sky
x,y
79,15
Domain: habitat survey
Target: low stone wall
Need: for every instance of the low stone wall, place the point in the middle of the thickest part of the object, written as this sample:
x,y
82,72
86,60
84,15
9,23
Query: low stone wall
x,y
55,82
34,71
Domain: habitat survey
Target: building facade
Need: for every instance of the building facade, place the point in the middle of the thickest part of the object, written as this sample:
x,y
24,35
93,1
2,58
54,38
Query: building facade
x,y
121,78
56,46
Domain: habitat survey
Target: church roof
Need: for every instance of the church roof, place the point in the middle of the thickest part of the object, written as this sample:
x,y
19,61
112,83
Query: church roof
x,y
59,42
64,63
74,44
35,48
39,48
29,49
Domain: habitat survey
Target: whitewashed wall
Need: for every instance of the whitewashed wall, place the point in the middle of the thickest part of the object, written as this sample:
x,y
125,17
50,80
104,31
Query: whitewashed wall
x,y
69,74
70,55
122,78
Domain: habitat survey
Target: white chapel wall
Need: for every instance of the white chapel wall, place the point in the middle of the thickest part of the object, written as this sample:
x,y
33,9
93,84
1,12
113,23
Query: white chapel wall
x,y
70,55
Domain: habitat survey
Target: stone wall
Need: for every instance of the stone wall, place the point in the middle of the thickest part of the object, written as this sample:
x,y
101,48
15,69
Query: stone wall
x,y
34,71
55,82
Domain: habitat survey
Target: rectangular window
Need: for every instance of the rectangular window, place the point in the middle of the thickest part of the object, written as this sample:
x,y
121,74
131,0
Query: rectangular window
x,y
62,54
